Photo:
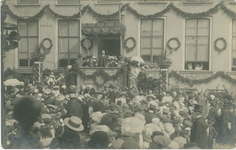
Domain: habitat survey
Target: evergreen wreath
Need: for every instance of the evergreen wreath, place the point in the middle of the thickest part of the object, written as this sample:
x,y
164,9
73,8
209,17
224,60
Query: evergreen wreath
x,y
175,39
220,49
46,49
129,49
83,46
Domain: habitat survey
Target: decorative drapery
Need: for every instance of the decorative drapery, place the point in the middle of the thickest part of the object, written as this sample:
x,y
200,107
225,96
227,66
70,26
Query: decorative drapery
x,y
131,10
103,29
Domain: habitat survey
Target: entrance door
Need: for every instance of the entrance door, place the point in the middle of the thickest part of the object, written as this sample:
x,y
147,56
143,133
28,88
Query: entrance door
x,y
111,44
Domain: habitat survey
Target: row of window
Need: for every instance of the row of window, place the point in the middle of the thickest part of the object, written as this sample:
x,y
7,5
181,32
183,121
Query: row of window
x,y
152,41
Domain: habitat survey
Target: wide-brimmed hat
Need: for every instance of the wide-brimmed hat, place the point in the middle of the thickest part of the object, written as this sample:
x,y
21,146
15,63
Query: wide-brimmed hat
x,y
132,125
36,91
151,96
74,123
162,140
97,116
47,91
181,141
123,93
72,95
103,128
152,104
60,98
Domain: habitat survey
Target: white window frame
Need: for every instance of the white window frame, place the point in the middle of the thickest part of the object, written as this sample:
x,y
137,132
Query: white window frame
x,y
17,62
164,36
57,53
209,43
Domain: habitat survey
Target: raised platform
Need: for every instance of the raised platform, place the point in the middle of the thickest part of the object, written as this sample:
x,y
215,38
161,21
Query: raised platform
x,y
98,81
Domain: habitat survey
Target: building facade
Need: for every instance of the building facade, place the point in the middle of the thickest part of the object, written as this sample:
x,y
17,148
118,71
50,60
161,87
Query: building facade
x,y
205,33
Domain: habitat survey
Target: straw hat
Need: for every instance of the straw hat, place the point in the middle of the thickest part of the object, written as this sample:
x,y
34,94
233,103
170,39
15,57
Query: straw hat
x,y
36,91
74,123
60,98
97,116
103,128
148,130
132,125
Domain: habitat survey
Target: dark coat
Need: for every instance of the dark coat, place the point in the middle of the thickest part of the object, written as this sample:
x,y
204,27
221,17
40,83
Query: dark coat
x,y
74,108
68,140
199,133
212,115
102,61
99,106
149,116
112,96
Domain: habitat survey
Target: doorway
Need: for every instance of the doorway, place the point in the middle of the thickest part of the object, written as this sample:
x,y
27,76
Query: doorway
x,y
111,45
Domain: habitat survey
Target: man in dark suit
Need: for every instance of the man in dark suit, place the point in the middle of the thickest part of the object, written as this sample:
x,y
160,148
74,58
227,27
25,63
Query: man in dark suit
x,y
74,108
199,128
100,105
102,60
112,94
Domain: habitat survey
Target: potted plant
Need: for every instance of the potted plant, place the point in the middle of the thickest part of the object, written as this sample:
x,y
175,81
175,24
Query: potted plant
x,y
163,61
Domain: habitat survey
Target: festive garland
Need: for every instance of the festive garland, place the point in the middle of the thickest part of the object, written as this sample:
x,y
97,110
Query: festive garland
x,y
129,49
46,50
82,44
175,39
184,14
191,82
133,11
220,49
101,73
95,14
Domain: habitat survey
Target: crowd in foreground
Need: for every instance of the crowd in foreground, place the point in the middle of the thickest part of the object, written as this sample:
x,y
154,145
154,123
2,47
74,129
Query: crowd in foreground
x,y
53,116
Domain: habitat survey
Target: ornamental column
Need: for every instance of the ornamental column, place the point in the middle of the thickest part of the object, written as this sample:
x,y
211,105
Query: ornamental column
x,y
37,72
164,78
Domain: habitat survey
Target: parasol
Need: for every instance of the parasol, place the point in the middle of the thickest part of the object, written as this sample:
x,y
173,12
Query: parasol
x,y
12,82
137,58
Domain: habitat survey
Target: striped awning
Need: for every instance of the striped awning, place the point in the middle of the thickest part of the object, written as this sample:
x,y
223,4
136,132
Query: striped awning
x,y
103,29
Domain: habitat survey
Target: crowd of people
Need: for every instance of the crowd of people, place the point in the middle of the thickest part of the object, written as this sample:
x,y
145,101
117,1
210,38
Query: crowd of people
x,y
54,115
102,61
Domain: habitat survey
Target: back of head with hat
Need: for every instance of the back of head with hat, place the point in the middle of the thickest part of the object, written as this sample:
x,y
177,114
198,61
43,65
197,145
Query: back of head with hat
x,y
99,140
132,125
173,145
162,140
26,111
181,141
191,145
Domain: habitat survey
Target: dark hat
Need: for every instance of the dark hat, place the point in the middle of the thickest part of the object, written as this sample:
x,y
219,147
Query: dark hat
x,y
99,140
198,108
166,111
191,145
188,123
130,144
111,86
155,133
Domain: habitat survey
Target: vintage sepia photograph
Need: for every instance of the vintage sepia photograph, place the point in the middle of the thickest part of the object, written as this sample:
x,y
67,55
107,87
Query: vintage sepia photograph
x,y
118,74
